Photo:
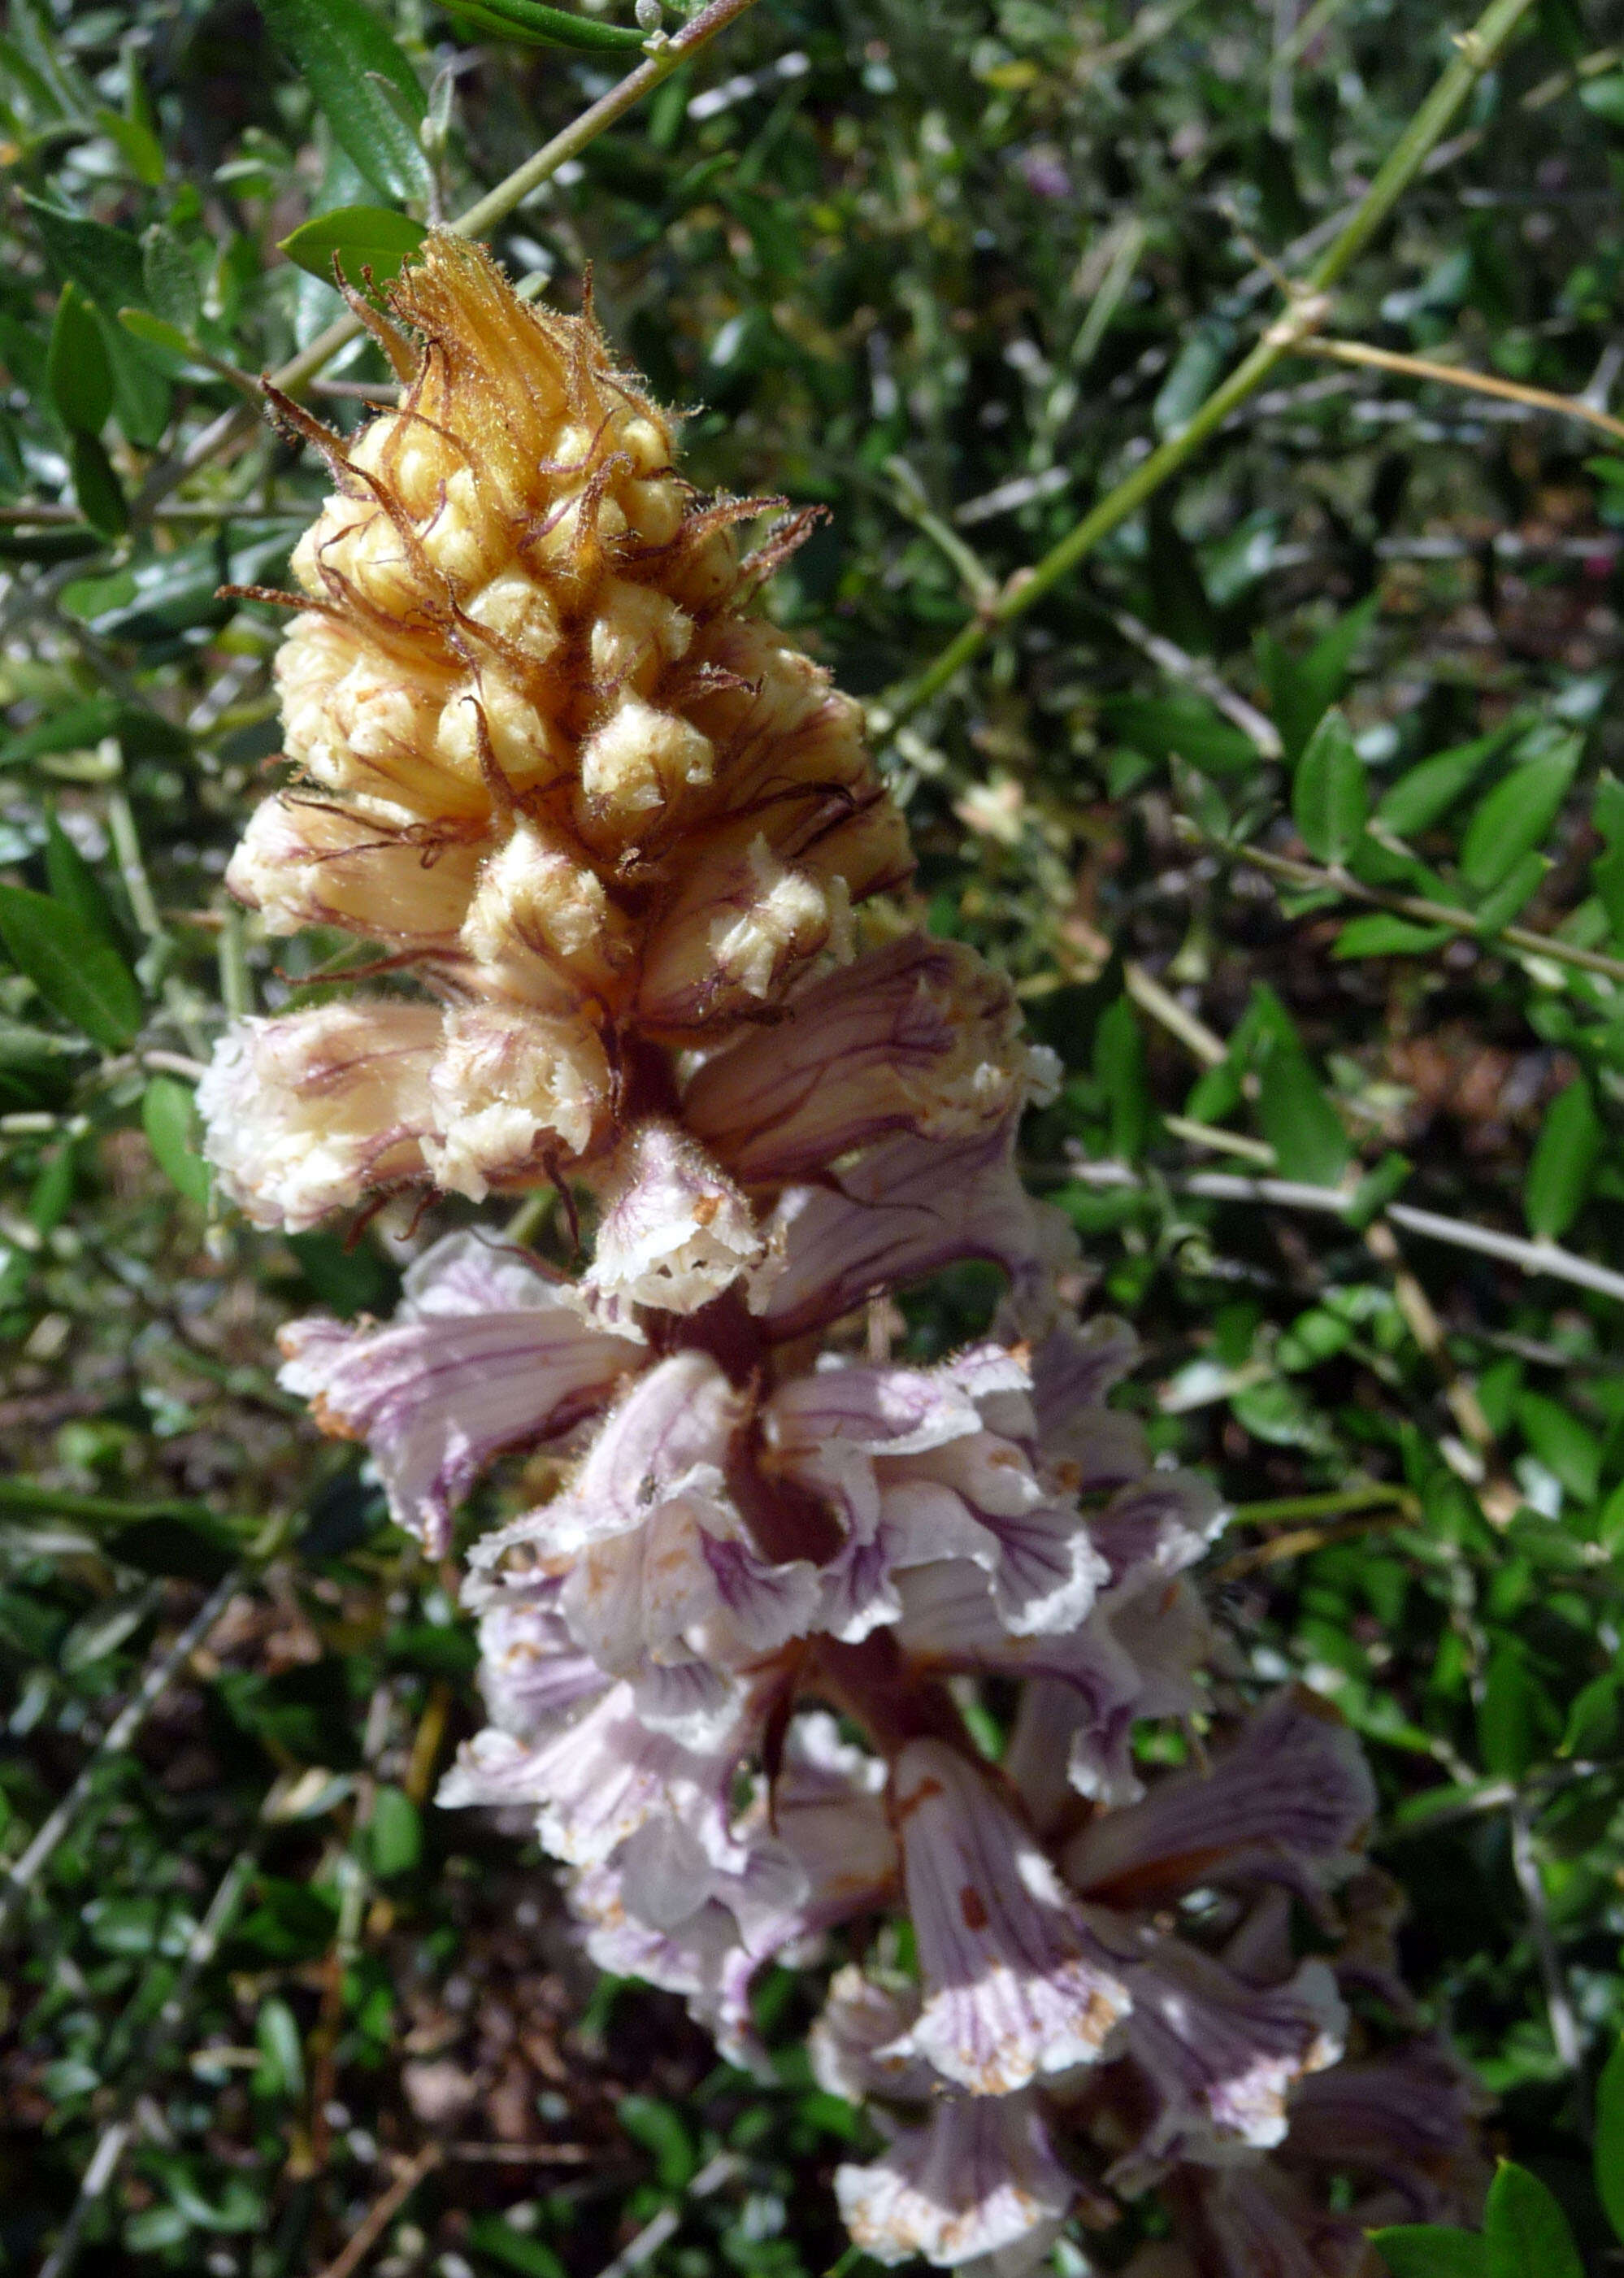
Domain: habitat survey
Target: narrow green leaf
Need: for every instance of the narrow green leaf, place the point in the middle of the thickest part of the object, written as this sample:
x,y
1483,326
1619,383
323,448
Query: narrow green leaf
x,y
1565,1156
157,332
1301,689
1382,936
1298,1121
1119,1069
138,146
1525,2231
84,979
533,25
96,486
1595,1729
1517,815
363,237
169,1118
1424,794
1426,2250
1331,798
1161,726
75,885
337,46
281,2069
493,2235
1517,888
76,369
1514,1713
1610,2139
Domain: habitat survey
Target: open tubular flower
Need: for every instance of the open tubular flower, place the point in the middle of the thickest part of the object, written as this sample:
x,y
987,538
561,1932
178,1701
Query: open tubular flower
x,y
611,834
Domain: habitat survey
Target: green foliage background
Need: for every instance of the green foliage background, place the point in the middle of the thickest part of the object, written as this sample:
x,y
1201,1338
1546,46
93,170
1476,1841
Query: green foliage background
x,y
946,269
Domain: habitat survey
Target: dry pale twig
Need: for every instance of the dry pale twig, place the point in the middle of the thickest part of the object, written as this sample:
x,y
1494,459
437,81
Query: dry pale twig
x,y
1474,382
378,2217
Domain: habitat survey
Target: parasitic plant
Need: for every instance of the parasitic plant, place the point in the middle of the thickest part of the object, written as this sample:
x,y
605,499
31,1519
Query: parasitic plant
x,y
618,841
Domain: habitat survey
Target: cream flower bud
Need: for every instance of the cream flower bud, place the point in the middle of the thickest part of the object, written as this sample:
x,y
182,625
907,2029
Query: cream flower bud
x,y
542,923
306,1113
512,1091
917,1036
303,861
636,765
675,1231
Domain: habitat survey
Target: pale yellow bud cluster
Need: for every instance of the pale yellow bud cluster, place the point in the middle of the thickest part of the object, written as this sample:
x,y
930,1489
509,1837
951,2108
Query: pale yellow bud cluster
x,y
544,756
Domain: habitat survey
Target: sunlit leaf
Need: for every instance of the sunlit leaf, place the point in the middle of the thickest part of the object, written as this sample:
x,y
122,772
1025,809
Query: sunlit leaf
x,y
1517,815
170,1119
531,25
362,237
77,370
341,49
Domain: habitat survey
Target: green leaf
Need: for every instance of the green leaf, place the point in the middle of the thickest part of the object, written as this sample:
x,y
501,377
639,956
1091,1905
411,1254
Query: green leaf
x,y
1119,1069
78,726
1513,1714
533,26
138,146
1519,884
1161,726
1330,798
394,1832
350,1280
169,1118
1381,935
1525,2231
1426,2250
1567,1448
1606,98
1298,1121
84,979
172,281
1595,1726
281,2068
78,372
104,264
1423,795
1565,1158
1610,2139
97,485
1196,372
75,885
157,332
363,237
1301,689
341,49
659,2128
1517,815
515,2250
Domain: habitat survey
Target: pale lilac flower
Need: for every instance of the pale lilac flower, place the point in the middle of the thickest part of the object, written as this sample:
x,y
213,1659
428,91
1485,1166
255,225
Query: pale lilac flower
x,y
1014,1984
979,2180
904,1210
1291,1794
595,1781
661,1581
676,1230
484,1354
1222,2056
1254,2223
1406,2120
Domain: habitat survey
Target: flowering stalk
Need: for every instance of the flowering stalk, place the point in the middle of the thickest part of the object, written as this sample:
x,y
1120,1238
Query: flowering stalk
x,y
612,833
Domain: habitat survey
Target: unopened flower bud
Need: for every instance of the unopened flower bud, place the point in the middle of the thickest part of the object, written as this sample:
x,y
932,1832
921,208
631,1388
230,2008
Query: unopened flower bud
x,y
542,926
917,1036
305,1114
513,1092
303,861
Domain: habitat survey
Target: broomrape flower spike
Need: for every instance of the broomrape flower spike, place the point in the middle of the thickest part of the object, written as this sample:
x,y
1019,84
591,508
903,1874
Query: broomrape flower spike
x,y
618,843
